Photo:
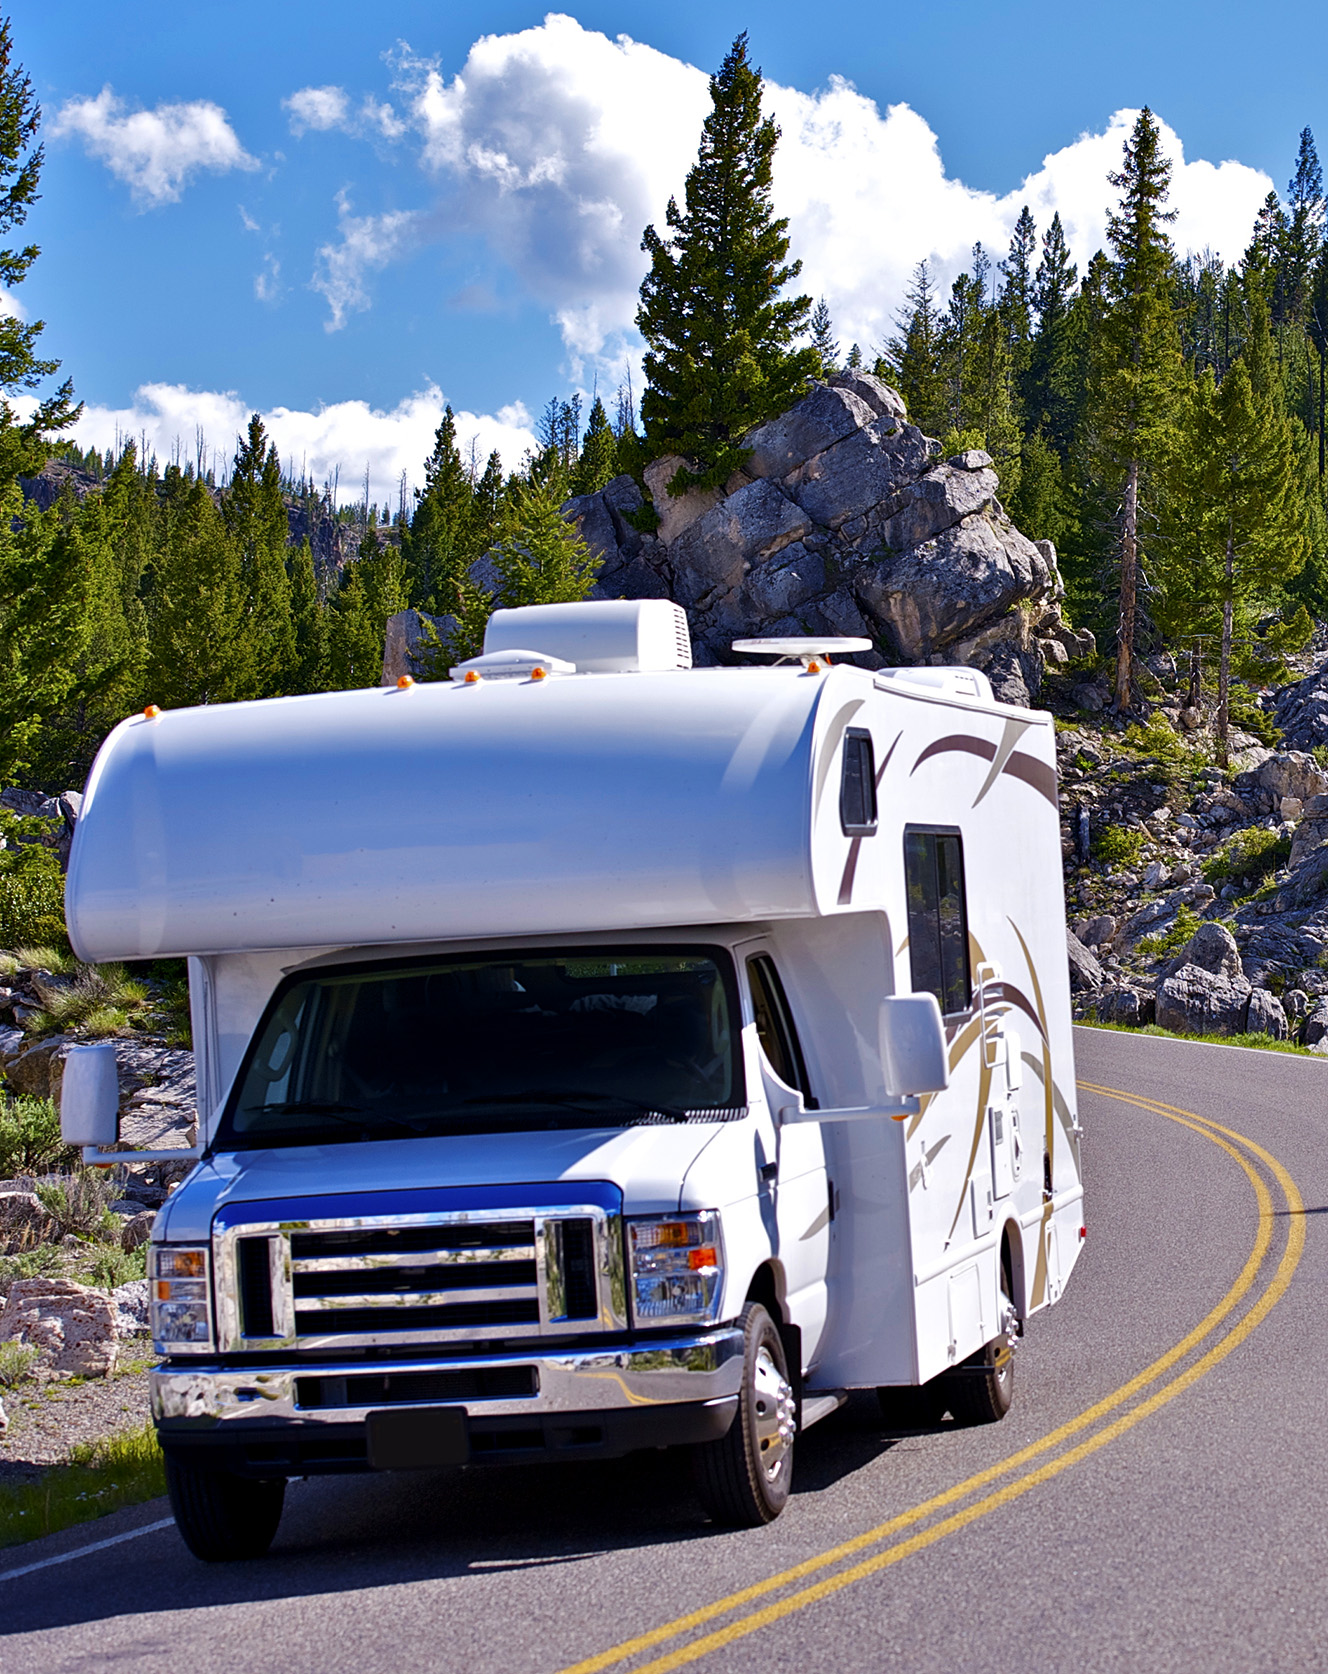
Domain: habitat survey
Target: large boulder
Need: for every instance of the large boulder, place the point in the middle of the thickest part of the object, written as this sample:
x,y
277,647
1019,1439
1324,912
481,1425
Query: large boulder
x,y
1193,1001
74,1328
1265,1015
1288,773
1085,971
1212,948
844,519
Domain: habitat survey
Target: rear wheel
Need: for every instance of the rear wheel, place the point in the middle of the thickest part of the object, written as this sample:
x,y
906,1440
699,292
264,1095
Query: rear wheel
x,y
982,1389
223,1517
743,1478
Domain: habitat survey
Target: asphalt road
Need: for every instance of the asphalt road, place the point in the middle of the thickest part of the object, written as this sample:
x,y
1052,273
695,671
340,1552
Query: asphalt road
x,y
1154,1501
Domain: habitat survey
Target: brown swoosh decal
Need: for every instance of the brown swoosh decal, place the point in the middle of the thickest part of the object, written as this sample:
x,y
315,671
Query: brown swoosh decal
x,y
957,742
833,733
1035,773
1008,992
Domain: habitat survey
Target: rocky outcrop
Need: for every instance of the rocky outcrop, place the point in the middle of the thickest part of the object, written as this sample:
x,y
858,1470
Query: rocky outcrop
x,y
844,520
1302,711
74,1328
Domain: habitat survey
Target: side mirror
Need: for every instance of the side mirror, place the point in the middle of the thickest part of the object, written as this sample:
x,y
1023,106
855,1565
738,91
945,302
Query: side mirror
x,y
913,1050
90,1097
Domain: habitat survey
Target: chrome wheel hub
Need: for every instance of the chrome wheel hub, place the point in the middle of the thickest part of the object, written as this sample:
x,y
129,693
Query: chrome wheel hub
x,y
776,1413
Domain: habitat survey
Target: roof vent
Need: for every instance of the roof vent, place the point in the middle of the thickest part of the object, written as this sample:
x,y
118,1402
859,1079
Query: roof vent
x,y
954,682
516,664
601,636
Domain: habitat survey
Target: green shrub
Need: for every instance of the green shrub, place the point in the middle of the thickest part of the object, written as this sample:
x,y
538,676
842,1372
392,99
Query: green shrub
x,y
80,1204
32,886
1250,855
108,1266
1117,845
101,1000
43,1261
16,1361
30,1140
1158,739
1173,940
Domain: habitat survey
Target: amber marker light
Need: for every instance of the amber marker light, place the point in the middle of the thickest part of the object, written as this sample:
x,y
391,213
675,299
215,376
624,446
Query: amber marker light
x,y
472,679
537,674
405,682
151,712
813,667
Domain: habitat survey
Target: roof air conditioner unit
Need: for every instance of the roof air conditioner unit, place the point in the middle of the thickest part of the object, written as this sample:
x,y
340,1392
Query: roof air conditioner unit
x,y
601,636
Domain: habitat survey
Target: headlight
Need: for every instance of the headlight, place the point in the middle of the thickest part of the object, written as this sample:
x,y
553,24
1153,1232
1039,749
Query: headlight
x,y
179,1311
677,1268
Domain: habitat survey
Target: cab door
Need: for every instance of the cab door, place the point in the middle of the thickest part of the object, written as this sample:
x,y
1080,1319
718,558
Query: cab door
x,y
798,1186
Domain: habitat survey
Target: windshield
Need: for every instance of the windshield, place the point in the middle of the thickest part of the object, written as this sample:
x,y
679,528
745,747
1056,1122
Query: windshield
x,y
585,1038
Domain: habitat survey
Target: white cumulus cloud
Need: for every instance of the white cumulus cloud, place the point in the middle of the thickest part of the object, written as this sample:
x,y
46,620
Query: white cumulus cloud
x,y
324,108
559,144
365,243
155,152
338,440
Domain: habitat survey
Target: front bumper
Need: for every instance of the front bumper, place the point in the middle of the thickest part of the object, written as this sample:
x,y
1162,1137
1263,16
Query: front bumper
x,y
599,1402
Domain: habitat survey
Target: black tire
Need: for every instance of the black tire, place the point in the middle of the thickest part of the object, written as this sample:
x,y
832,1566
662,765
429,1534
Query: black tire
x,y
911,1406
743,1479
982,1390
223,1518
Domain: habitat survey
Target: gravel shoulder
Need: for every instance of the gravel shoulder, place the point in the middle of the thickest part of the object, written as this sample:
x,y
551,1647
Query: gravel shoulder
x,y
46,1420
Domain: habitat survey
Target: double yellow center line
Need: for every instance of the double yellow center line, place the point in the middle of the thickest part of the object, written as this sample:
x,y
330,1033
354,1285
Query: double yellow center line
x,y
1038,1463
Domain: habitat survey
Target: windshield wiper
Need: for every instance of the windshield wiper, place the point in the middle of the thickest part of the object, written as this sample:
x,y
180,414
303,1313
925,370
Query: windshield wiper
x,y
574,1098
343,1113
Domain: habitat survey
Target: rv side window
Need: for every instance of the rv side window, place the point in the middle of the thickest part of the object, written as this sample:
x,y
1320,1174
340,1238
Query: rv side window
x,y
937,917
857,790
774,1026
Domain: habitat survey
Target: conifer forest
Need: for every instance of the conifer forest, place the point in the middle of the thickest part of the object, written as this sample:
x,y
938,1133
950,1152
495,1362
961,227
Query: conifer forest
x,y
1159,416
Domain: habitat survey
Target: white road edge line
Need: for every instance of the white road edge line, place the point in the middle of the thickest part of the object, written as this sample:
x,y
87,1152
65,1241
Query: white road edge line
x,y
82,1551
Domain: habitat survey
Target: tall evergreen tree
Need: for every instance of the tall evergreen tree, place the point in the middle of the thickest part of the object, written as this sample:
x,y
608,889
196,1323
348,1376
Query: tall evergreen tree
x,y
1017,292
823,339
1139,372
913,360
1239,508
598,462
308,628
1302,228
255,516
441,543
201,644
719,331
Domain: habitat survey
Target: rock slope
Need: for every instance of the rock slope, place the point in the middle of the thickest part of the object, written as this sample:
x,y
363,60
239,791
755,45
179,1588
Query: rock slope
x,y
844,520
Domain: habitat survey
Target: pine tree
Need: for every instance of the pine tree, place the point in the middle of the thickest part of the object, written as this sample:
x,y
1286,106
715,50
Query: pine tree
x,y
441,544
538,556
371,589
823,339
201,645
1139,372
1017,292
1239,514
598,463
308,625
1318,331
255,515
912,360
1302,229
720,356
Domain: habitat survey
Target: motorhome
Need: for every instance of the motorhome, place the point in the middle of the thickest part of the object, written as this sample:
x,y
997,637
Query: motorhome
x,y
594,1053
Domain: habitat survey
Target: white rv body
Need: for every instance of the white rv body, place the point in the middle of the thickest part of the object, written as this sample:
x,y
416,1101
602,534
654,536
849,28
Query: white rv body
x,y
681,808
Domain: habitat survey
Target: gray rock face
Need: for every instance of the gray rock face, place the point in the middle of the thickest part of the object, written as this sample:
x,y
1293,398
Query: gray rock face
x,y
717,548
1288,773
1211,948
676,511
404,642
1194,1001
1302,711
1085,971
1265,1015
827,416
1125,1006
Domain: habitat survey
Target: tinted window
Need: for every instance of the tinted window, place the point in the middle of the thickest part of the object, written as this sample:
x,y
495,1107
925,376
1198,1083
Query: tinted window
x,y
544,1039
937,916
774,1025
857,789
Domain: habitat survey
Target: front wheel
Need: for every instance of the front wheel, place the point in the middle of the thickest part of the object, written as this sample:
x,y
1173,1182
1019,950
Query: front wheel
x,y
223,1517
743,1478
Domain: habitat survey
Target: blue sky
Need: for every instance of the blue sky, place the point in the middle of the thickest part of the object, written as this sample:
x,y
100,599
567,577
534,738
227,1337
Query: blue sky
x,y
342,215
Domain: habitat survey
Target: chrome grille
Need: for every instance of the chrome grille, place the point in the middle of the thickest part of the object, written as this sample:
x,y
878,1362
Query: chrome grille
x,y
419,1278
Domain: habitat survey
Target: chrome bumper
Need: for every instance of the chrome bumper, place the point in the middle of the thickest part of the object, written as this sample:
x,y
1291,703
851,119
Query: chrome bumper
x,y
673,1370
